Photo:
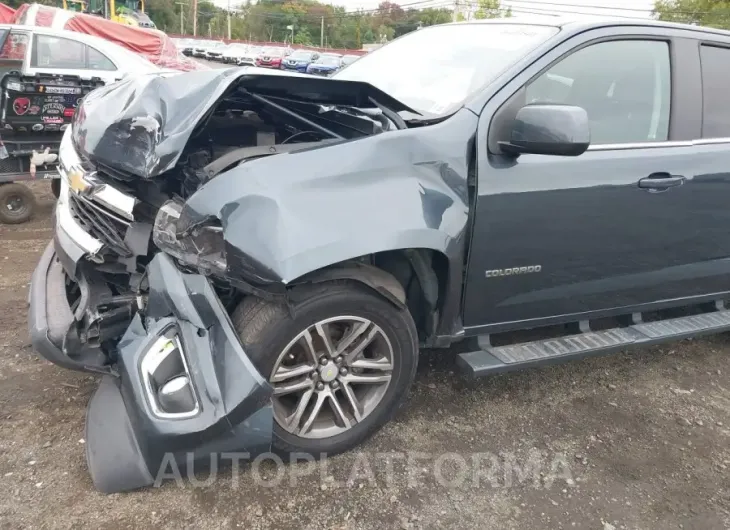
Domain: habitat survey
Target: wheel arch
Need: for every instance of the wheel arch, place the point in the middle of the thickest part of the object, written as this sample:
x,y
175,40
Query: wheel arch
x,y
412,278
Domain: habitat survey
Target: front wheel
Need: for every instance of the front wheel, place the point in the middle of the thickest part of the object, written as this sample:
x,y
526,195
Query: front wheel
x,y
340,364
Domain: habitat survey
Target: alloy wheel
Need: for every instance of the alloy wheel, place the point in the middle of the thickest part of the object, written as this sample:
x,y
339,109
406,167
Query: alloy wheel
x,y
331,376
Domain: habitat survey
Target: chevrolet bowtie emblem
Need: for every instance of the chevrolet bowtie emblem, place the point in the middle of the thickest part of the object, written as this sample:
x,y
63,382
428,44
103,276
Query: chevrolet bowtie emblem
x,y
77,182
83,186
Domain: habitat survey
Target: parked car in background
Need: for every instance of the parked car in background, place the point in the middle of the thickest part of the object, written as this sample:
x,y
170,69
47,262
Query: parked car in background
x,y
299,60
185,46
248,58
349,59
55,51
215,51
271,57
325,65
202,46
233,51
52,71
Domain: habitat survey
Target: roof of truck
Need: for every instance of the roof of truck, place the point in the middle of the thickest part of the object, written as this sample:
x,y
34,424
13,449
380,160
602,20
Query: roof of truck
x,y
579,22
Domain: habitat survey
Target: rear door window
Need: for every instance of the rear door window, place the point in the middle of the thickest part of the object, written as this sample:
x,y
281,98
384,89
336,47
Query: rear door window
x,y
715,91
99,61
58,53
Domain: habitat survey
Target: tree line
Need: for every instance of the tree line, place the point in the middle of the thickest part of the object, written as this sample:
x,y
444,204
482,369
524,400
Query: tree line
x,y
311,22
711,13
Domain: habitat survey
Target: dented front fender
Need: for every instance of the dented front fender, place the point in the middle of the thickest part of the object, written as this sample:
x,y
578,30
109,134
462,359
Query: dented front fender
x,y
291,214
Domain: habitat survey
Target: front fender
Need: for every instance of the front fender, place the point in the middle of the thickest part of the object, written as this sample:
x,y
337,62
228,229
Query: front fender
x,y
288,215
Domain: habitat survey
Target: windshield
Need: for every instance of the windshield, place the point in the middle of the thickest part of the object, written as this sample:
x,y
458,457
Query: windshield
x,y
328,60
437,68
301,56
273,52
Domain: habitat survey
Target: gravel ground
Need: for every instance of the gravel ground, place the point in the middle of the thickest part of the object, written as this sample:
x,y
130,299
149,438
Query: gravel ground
x,y
634,440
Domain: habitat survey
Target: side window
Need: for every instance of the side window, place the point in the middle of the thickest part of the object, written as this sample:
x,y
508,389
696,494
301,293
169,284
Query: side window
x,y
624,86
57,52
99,61
15,46
715,90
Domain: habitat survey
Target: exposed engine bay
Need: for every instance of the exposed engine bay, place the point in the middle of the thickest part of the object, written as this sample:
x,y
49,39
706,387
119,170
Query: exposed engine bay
x,y
247,126
239,128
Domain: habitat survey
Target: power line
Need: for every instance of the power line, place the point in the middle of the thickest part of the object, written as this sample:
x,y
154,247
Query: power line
x,y
556,12
719,11
580,6
448,5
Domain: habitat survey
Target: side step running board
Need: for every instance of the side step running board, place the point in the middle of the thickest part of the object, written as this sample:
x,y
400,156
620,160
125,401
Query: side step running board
x,y
493,359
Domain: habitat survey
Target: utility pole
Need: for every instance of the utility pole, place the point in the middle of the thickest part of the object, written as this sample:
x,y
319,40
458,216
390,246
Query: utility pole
x,y
321,34
195,18
182,22
456,11
229,19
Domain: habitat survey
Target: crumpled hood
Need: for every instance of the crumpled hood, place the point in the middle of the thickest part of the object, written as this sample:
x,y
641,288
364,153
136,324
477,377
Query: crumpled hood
x,y
140,125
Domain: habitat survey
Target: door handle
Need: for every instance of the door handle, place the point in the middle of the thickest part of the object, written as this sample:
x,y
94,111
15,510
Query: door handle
x,y
661,181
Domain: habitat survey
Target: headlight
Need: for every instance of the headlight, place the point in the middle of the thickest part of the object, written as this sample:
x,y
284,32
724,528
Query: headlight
x,y
203,247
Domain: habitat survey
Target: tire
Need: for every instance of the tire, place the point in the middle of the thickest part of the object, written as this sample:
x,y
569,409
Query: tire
x,y
17,203
56,187
266,328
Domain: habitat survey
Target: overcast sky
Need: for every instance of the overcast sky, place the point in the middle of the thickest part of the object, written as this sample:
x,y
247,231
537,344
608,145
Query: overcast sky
x,y
623,8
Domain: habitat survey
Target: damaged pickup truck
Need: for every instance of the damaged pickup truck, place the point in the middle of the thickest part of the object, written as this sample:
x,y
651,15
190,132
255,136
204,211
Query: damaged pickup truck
x,y
252,259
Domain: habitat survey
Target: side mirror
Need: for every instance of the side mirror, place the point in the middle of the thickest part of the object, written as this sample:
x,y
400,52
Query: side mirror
x,y
561,130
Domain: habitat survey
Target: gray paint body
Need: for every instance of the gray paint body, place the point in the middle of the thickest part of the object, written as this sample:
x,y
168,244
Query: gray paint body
x,y
605,246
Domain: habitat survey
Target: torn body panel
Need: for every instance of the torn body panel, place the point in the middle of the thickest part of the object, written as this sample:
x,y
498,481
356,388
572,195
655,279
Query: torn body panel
x,y
142,125
289,215
171,213
181,386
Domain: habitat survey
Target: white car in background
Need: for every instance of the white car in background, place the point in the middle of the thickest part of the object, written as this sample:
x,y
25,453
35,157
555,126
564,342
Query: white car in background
x,y
45,72
215,51
44,50
201,47
235,51
249,58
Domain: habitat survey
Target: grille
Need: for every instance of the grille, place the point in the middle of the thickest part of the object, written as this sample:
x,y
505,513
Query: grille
x,y
100,223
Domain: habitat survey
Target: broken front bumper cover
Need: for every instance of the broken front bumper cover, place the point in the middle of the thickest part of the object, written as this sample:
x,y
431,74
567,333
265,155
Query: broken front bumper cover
x,y
129,433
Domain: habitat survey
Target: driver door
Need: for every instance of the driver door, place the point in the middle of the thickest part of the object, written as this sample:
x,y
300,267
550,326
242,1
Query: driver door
x,y
559,238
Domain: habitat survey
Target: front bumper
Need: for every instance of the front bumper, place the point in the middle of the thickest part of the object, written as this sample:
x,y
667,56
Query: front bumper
x,y
128,439
317,71
294,68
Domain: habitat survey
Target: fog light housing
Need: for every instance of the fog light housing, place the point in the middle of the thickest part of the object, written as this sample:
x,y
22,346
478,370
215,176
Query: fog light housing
x,y
176,396
166,379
